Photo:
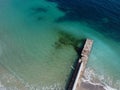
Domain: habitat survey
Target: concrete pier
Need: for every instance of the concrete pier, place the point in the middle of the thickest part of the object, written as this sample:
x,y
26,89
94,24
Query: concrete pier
x,y
85,53
81,65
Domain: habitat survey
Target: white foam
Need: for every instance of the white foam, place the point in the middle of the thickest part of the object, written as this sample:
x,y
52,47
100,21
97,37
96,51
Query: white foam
x,y
2,86
91,77
109,88
106,87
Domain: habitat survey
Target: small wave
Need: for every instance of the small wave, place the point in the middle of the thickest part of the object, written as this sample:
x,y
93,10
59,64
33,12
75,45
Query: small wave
x,y
90,77
2,86
55,86
9,82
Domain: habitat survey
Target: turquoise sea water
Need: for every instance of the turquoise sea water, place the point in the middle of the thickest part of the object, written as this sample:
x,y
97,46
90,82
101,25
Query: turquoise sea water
x,y
31,54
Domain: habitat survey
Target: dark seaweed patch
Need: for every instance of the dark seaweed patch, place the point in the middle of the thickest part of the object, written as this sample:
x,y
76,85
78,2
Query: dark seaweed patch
x,y
38,9
39,18
66,39
37,12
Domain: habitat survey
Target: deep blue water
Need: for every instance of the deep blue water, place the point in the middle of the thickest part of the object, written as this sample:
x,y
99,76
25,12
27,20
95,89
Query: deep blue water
x,y
103,13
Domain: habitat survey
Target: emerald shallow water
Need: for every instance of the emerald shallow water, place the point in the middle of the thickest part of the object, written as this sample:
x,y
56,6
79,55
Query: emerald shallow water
x,y
31,55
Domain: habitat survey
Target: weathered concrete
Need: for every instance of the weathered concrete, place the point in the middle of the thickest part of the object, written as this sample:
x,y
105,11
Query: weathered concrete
x,y
83,61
